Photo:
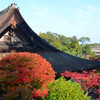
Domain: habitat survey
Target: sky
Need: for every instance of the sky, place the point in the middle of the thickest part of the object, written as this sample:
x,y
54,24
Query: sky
x,y
66,17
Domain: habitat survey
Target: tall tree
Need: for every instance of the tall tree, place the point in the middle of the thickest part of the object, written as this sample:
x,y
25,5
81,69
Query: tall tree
x,y
84,40
86,49
74,46
51,39
68,44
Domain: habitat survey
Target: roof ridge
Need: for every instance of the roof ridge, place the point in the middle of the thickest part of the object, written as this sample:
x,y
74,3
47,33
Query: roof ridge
x,y
12,6
5,13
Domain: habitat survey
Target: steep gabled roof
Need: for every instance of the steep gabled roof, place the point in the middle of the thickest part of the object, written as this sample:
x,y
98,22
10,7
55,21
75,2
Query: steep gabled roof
x,y
5,13
60,61
14,19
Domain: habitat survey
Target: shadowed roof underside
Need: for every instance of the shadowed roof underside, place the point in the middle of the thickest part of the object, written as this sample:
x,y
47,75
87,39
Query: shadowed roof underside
x,y
59,60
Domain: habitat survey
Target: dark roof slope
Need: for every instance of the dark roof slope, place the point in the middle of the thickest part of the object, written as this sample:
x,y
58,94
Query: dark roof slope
x,y
62,61
59,60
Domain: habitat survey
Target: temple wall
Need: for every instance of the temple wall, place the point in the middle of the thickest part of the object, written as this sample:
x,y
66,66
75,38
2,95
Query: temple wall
x,y
2,38
2,55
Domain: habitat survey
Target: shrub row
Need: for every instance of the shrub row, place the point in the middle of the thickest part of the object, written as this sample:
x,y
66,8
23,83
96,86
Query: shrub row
x,y
27,76
65,90
88,80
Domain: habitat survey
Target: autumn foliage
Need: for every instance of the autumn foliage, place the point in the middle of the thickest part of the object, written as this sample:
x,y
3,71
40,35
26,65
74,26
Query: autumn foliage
x,y
25,70
88,80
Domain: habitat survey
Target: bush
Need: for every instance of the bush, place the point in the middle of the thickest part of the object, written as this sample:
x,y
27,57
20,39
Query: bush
x,y
88,80
21,72
65,90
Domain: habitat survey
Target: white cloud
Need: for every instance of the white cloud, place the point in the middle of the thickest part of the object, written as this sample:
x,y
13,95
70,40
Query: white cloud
x,y
80,12
83,14
90,7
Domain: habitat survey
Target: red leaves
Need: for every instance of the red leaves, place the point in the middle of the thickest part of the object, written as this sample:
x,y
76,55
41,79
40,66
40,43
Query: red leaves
x,y
41,92
89,80
27,68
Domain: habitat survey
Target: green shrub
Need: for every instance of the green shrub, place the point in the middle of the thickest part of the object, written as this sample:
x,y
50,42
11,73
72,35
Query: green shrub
x,y
21,72
65,90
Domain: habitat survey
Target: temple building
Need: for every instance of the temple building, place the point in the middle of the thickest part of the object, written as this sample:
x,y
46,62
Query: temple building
x,y
17,36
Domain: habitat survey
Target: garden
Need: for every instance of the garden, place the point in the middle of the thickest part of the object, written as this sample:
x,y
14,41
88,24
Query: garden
x,y
28,76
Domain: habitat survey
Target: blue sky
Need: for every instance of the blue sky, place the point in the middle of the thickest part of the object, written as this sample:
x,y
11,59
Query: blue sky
x,y
66,17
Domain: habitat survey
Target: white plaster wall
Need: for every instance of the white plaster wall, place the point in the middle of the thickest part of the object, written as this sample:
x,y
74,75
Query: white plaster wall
x,y
2,39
